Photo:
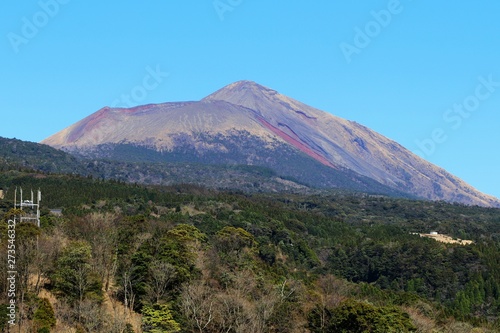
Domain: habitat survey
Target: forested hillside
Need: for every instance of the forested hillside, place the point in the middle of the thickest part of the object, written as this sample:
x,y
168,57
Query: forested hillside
x,y
129,258
22,155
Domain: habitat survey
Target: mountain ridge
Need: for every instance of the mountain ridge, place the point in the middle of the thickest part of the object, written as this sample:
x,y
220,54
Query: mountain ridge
x,y
276,121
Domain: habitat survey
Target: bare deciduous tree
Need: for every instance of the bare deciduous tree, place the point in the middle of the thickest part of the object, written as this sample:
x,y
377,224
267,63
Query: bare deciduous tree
x,y
91,316
100,229
162,274
198,306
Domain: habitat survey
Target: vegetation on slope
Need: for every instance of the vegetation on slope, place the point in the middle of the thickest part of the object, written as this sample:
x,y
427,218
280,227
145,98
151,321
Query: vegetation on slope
x,y
281,170
128,258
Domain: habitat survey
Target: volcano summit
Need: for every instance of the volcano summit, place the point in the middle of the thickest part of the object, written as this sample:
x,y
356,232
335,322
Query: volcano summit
x,y
246,123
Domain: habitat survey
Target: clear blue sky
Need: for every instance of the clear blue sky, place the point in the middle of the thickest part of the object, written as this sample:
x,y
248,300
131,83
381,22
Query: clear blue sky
x,y
398,67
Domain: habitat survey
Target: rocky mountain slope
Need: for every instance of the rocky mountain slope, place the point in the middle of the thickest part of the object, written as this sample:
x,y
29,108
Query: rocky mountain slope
x,y
246,123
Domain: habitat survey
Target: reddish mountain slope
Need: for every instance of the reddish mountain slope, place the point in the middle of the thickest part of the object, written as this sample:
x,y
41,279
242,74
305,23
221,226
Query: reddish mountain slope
x,y
277,121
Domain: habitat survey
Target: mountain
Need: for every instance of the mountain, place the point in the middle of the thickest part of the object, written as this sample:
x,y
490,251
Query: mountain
x,y
246,123
34,157
16,153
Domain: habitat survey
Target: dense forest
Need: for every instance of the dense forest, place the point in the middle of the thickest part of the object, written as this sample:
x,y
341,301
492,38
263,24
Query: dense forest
x,y
131,258
141,165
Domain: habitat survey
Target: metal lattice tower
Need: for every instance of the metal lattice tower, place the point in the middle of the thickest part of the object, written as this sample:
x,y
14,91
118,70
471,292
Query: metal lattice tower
x,y
31,210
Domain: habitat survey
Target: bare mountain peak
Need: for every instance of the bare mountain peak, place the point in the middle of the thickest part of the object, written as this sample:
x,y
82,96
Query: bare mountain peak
x,y
245,111
241,93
